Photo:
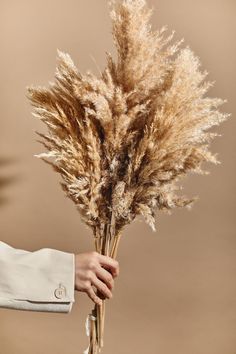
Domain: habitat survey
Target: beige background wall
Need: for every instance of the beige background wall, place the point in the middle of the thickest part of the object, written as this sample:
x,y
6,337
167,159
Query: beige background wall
x,y
176,292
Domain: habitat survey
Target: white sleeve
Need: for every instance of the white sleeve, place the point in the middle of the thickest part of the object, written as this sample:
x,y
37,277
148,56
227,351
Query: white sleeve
x,y
42,280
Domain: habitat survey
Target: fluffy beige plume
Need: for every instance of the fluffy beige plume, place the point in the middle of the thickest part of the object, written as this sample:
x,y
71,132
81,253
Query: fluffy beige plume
x,y
122,140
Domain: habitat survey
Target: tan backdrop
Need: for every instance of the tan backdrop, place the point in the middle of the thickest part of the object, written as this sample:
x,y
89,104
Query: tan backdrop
x,y
176,293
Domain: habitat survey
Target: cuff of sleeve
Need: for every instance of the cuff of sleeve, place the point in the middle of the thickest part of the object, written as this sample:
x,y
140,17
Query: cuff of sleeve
x,y
61,277
49,276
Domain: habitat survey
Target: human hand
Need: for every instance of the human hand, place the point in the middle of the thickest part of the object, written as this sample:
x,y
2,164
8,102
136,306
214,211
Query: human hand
x,y
95,269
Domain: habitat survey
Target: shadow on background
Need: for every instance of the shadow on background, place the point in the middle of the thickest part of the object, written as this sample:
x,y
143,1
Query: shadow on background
x,y
6,181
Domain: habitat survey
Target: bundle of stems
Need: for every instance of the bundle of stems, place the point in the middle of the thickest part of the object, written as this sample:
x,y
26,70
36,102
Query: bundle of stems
x,y
122,141
106,244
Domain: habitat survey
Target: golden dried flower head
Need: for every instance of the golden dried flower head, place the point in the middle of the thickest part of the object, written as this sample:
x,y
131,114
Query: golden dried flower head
x,y
123,140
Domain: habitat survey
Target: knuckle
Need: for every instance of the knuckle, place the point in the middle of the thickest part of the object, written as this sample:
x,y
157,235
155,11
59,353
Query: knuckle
x,y
87,285
102,286
92,264
89,275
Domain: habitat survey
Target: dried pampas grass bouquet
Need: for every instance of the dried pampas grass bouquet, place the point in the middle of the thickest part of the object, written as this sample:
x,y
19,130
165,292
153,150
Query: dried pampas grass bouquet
x,y
123,140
